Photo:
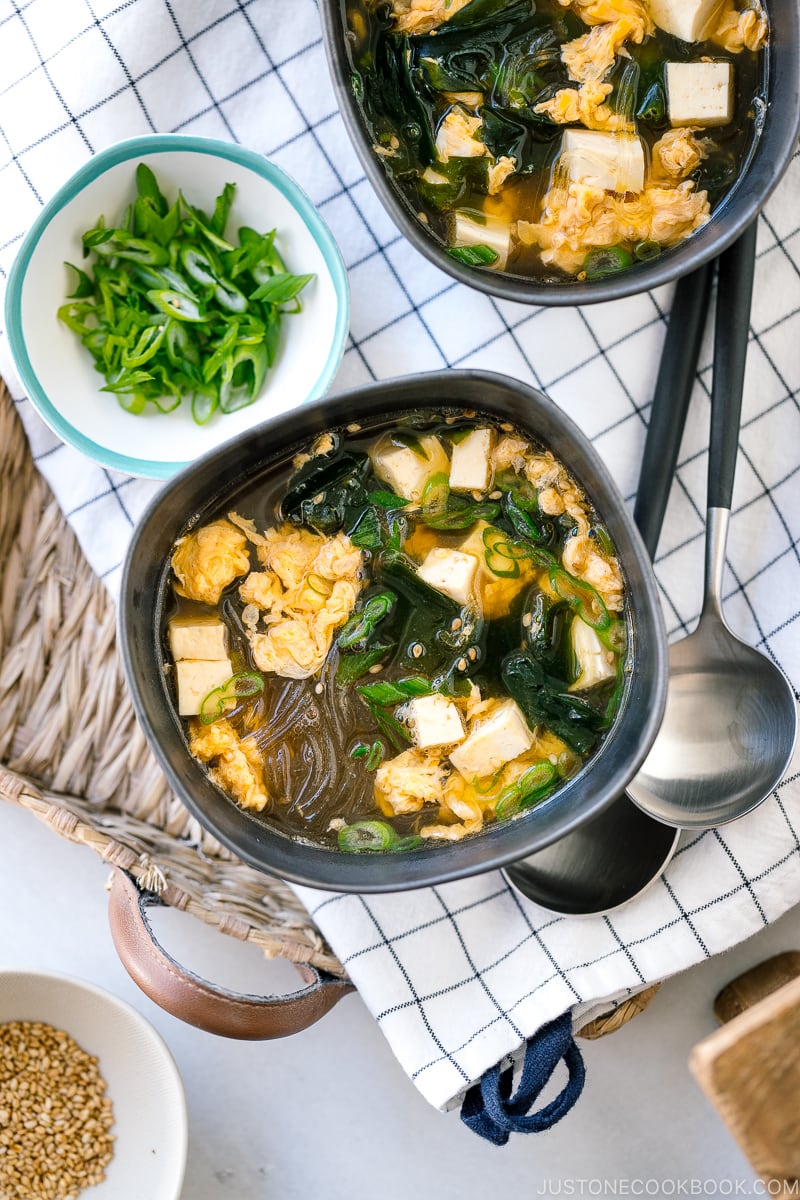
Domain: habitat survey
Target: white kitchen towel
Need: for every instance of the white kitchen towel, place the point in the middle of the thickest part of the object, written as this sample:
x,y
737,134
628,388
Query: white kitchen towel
x,y
461,975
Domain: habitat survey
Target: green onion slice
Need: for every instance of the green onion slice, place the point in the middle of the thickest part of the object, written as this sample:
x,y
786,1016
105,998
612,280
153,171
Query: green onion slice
x,y
436,491
319,584
474,256
536,783
177,304
242,686
353,666
646,251
204,405
375,756
359,627
397,691
362,836
460,514
581,596
132,402
603,540
501,555
600,264
411,842
614,700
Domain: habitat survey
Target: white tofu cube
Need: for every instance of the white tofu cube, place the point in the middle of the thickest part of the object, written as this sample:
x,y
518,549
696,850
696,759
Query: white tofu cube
x,y
451,572
198,638
614,161
689,20
467,229
407,469
433,721
495,740
596,663
470,462
196,678
700,93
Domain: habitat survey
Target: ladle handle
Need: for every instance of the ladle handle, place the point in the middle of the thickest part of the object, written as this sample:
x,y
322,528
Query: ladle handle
x,y
673,390
731,328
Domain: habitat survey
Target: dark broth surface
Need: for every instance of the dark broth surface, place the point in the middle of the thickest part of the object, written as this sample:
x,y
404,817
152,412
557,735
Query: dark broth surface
x,y
320,739
508,55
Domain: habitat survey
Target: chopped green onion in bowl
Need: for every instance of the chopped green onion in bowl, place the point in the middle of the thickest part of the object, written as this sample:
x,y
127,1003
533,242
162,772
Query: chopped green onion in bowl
x,y
169,308
57,371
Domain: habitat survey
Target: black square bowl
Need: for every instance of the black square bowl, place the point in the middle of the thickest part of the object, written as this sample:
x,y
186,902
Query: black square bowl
x,y
201,491
775,142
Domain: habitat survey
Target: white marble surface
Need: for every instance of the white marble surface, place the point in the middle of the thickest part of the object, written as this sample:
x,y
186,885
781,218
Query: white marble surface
x,y
329,1112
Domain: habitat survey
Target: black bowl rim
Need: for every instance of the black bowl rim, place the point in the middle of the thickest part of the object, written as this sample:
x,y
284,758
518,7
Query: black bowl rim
x,y
771,156
311,865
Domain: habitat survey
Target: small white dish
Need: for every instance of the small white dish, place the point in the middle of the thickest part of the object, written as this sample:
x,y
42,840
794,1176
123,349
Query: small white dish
x,y
58,373
145,1089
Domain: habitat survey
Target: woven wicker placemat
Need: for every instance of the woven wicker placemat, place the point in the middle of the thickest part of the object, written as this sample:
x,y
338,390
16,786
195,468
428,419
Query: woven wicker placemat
x,y
72,753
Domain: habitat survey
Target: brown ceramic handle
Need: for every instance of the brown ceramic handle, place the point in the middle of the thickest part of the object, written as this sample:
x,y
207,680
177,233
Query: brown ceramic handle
x,y
194,1000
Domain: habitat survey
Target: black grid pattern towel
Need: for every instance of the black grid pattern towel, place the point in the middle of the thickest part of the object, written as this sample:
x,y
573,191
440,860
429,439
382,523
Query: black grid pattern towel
x,y
457,976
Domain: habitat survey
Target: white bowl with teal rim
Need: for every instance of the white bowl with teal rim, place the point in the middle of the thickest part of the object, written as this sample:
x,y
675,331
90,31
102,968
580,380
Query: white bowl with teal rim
x,y
58,372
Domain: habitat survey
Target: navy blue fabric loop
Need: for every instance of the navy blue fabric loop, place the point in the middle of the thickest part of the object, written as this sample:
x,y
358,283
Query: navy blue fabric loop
x,y
493,1113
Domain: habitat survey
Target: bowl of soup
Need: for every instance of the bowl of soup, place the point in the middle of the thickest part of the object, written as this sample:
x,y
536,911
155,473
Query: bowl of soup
x,y
568,151
407,636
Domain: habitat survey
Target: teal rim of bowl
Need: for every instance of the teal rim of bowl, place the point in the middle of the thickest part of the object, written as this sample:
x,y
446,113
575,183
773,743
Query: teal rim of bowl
x,y
83,177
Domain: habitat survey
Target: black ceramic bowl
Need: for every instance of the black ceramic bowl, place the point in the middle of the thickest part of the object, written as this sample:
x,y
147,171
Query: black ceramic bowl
x,y
769,158
203,489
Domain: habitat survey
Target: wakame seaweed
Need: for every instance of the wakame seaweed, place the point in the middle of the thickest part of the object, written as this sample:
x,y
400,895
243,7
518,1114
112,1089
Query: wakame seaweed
x,y
328,493
545,700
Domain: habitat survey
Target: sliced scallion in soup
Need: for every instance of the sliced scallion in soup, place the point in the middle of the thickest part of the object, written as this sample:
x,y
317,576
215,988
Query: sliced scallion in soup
x,y
560,138
407,636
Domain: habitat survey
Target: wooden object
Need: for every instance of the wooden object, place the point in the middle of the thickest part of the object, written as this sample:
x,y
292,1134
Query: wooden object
x,y
750,1069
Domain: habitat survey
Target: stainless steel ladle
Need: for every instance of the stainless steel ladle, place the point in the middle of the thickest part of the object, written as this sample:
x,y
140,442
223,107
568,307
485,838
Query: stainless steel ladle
x,y
614,858
731,718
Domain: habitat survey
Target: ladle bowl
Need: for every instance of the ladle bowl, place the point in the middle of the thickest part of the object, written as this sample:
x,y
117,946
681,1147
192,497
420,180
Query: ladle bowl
x,y
728,731
731,719
601,866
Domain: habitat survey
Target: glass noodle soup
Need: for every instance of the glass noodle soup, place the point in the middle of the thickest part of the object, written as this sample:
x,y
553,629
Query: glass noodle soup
x,y
560,139
408,634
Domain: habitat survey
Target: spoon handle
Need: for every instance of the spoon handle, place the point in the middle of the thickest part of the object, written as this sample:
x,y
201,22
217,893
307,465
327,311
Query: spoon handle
x,y
731,328
676,375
